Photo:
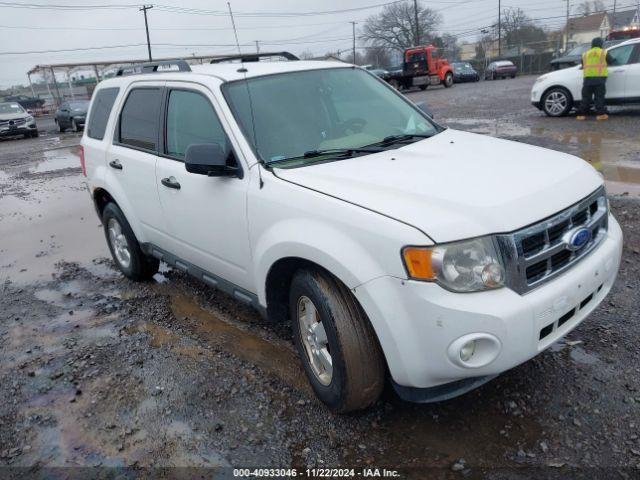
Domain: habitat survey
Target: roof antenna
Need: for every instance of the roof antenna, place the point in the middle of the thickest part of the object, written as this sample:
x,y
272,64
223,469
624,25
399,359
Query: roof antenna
x,y
233,23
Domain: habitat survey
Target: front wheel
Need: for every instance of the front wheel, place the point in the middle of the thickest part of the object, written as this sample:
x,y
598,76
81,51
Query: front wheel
x,y
74,125
423,87
448,80
556,102
336,343
124,246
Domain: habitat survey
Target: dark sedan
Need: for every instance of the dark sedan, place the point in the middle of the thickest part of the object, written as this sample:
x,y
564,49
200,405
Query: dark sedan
x,y
500,69
464,72
72,115
574,56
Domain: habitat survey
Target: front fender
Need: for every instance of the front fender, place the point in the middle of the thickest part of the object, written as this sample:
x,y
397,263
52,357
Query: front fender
x,y
318,242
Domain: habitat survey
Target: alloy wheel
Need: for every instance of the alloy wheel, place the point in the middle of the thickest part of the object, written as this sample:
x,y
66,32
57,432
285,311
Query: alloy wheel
x,y
314,339
119,243
556,103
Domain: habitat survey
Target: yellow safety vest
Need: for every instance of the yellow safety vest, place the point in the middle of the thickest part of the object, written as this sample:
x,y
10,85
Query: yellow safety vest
x,y
594,63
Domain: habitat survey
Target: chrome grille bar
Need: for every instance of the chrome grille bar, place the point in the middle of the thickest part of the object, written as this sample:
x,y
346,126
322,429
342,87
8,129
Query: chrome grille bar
x,y
540,252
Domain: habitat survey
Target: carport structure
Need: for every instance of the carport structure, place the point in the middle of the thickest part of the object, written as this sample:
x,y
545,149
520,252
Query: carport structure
x,y
101,69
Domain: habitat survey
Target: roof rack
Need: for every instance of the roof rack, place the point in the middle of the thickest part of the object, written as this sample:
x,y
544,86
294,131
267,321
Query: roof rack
x,y
255,57
152,67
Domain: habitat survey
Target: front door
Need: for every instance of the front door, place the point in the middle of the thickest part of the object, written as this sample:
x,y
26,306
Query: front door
x,y
632,82
619,58
206,216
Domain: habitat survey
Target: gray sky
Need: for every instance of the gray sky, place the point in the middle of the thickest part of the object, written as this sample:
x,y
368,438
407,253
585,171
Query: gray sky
x,y
318,33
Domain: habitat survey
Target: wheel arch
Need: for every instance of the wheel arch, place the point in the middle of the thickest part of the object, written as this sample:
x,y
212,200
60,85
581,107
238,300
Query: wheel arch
x,y
102,197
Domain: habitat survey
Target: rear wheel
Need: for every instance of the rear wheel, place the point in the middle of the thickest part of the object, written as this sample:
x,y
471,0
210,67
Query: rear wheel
x,y
74,126
124,246
448,80
336,343
60,127
556,102
423,87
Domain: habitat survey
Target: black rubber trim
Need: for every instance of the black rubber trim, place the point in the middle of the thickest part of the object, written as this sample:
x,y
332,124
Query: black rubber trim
x,y
440,392
209,278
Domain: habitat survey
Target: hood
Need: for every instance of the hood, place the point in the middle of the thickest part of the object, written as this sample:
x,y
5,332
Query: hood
x,y
566,58
456,185
12,116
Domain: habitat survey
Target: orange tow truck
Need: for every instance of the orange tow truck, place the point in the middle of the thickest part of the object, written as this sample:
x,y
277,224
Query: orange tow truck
x,y
422,66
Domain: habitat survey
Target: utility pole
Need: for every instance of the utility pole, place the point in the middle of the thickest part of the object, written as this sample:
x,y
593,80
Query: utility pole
x,y
257,46
146,26
415,14
500,29
613,17
566,29
353,24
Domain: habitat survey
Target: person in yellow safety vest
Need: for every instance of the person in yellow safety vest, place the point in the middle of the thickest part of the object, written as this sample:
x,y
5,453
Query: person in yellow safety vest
x,y
594,71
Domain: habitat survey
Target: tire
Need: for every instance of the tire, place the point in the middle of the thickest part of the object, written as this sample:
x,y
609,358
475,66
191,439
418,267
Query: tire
x,y
395,84
357,366
556,102
61,129
119,235
448,80
513,76
423,87
35,134
74,126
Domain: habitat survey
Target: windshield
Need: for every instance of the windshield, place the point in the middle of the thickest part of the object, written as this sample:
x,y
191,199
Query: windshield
x,y
342,108
11,108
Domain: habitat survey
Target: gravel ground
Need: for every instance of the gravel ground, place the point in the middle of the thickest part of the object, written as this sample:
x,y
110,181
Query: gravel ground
x,y
98,371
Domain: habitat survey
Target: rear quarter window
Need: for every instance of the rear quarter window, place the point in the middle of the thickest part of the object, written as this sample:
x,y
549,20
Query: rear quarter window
x,y
100,112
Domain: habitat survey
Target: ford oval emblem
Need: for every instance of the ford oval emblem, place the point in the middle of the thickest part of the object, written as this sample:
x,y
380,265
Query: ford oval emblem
x,y
577,238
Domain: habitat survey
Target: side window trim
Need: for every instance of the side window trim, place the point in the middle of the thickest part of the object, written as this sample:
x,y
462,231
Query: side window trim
x,y
116,132
163,126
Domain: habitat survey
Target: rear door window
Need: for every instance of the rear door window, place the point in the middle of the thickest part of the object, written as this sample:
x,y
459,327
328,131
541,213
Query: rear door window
x,y
100,111
620,55
140,117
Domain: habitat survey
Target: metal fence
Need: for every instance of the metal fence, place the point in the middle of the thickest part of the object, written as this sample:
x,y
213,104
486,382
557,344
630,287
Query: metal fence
x,y
527,63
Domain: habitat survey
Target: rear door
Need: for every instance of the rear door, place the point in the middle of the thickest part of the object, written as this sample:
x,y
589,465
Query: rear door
x,y
206,216
131,159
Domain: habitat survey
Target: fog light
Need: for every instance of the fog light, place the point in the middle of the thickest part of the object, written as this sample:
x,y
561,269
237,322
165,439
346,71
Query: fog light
x,y
467,351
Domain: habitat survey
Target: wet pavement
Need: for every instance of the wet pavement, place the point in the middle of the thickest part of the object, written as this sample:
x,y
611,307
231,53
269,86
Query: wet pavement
x,y
96,370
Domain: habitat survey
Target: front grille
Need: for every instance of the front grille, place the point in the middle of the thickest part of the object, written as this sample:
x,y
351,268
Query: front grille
x,y
17,121
548,329
538,253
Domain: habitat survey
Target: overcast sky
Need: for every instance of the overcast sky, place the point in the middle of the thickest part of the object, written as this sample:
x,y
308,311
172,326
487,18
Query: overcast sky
x,y
52,29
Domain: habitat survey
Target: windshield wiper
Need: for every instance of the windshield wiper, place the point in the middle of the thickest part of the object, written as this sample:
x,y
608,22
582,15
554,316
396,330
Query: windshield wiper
x,y
329,151
391,139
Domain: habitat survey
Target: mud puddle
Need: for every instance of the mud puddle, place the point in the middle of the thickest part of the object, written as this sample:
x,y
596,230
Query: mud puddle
x,y
615,156
46,216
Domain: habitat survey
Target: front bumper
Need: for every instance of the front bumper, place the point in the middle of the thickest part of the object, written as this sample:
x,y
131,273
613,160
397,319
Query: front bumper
x,y
419,323
22,129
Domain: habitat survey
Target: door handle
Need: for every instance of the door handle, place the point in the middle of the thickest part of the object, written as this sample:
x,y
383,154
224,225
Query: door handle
x,y
115,164
170,182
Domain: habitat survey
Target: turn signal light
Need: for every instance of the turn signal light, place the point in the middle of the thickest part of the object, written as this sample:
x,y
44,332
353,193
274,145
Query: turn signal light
x,y
418,262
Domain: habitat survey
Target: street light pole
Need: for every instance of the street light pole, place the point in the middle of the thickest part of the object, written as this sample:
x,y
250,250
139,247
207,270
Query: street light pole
x,y
146,27
415,14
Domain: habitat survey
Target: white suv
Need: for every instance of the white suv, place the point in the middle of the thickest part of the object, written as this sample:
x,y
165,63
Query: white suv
x,y
321,196
557,93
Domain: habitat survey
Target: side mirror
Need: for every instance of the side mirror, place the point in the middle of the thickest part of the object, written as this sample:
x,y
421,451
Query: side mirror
x,y
208,159
425,109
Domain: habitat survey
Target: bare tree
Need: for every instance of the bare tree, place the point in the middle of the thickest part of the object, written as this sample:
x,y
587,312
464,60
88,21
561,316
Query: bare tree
x,y
306,55
449,45
395,27
518,28
378,56
591,6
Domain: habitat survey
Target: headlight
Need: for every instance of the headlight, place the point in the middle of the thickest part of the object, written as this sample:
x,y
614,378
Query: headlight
x,y
540,79
467,266
29,119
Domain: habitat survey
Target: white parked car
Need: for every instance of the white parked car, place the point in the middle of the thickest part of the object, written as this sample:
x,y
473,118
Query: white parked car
x,y
557,93
318,194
